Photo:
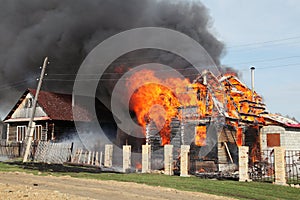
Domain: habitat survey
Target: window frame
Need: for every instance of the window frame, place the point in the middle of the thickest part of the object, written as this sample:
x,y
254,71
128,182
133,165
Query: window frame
x,y
37,137
20,136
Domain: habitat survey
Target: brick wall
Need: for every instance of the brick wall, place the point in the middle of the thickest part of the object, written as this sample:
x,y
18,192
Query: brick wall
x,y
292,140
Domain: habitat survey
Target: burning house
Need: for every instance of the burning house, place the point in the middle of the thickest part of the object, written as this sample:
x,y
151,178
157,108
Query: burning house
x,y
214,115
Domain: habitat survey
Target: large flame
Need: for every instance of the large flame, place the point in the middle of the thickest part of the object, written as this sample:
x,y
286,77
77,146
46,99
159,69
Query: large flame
x,y
158,100
155,102
241,102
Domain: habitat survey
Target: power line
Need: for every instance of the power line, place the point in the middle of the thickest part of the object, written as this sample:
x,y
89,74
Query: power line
x,y
119,73
272,66
190,75
265,60
264,42
88,79
19,83
101,79
128,78
266,46
86,76
280,66
15,85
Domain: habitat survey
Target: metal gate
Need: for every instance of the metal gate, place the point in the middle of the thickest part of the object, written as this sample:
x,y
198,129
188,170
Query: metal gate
x,y
263,169
292,166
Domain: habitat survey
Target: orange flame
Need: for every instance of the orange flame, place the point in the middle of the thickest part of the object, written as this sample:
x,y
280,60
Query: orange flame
x,y
158,103
241,103
158,100
138,166
239,137
200,135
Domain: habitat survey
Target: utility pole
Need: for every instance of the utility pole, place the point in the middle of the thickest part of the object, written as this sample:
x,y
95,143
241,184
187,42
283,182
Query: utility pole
x,y
31,125
252,81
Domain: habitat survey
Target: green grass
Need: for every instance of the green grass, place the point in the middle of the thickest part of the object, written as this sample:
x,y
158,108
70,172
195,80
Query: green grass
x,y
240,190
4,167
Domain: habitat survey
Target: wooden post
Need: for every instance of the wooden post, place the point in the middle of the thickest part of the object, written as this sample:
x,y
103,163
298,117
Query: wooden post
x,y
79,157
100,162
31,127
93,158
27,151
96,159
75,156
71,152
228,152
89,158
84,159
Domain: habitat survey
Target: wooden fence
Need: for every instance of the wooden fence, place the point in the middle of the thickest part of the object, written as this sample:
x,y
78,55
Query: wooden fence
x,y
90,158
10,149
41,151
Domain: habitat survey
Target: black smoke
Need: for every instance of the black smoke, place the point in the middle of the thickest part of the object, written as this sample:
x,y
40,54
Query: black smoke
x,y
66,31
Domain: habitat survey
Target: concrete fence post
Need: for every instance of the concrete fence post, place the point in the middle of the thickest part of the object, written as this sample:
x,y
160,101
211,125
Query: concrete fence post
x,y
279,165
126,158
168,159
108,155
243,163
184,160
146,158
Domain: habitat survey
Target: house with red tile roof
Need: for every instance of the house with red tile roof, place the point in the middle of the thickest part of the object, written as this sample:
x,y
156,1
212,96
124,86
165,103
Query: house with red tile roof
x,y
53,117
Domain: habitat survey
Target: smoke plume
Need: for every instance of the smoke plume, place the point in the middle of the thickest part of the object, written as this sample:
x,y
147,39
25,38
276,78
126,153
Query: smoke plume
x,y
66,31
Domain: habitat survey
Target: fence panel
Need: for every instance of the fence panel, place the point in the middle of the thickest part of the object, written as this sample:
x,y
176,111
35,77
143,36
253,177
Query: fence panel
x,y
92,158
10,149
292,166
263,169
49,152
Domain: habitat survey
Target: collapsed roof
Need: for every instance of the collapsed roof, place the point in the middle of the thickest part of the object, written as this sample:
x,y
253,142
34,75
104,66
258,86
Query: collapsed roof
x,y
242,104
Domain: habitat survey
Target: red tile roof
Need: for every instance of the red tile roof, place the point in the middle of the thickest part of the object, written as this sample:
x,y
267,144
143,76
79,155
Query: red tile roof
x,y
59,106
293,125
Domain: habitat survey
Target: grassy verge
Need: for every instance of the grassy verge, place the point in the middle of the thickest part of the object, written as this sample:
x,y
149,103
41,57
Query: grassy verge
x,y
252,190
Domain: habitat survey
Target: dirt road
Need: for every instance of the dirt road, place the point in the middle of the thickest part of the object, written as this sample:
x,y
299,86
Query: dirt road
x,y
16,185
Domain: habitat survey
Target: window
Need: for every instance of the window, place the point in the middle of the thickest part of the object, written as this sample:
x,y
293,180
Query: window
x,y
37,135
28,103
21,133
273,140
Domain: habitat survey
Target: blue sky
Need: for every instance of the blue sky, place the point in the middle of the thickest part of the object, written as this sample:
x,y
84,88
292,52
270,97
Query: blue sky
x,y
265,34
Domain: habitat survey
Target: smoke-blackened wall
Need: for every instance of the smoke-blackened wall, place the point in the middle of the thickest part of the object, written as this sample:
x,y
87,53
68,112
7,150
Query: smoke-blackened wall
x,y
66,31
